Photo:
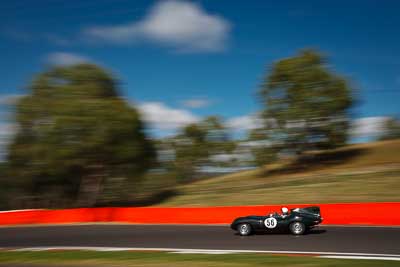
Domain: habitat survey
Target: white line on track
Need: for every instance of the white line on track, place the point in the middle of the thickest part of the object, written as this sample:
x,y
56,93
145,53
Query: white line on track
x,y
321,254
361,258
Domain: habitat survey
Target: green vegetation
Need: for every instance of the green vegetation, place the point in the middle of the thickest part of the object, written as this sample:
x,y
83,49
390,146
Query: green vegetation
x,y
391,129
78,143
127,259
357,173
306,105
194,145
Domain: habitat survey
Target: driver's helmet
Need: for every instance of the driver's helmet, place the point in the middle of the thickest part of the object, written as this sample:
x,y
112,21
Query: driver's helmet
x,y
285,211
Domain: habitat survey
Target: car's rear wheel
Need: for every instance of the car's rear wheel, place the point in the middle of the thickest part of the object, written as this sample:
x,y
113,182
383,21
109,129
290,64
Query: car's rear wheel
x,y
297,228
244,229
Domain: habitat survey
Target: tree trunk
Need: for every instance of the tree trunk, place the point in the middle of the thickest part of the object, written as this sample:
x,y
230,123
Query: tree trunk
x,y
91,186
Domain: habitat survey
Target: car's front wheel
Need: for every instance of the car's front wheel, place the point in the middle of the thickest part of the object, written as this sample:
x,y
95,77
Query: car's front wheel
x,y
297,228
244,229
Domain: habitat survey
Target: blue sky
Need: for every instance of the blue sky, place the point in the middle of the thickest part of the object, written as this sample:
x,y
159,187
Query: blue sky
x,y
181,60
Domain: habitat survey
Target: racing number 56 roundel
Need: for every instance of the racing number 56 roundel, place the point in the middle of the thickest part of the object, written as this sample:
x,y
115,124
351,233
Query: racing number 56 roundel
x,y
270,222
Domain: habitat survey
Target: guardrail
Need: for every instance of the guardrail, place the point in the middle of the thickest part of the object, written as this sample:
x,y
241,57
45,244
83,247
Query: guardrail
x,y
385,214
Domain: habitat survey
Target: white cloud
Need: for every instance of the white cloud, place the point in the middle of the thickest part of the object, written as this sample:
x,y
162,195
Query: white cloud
x,y
6,128
65,59
244,123
9,99
196,103
182,25
6,132
368,126
162,117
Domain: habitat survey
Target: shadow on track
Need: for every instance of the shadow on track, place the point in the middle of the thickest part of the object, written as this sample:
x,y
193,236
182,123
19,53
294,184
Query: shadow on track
x,y
310,232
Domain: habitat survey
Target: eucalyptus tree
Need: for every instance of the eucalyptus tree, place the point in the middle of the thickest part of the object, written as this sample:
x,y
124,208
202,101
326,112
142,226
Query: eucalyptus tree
x,y
308,104
75,134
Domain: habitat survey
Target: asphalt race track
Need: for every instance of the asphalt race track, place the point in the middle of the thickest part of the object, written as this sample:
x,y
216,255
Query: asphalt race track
x,y
323,239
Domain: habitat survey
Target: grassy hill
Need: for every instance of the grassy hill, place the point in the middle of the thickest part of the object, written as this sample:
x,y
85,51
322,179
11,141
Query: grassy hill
x,y
357,173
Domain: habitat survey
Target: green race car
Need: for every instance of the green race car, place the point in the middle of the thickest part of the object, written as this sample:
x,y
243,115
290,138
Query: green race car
x,y
297,221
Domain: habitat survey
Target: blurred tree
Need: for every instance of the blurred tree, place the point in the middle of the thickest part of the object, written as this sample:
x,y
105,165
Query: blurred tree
x,y
217,136
306,104
196,142
4,187
391,129
261,148
190,151
74,134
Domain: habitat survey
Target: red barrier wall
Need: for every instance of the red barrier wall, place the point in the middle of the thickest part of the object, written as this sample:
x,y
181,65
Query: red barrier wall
x,y
343,214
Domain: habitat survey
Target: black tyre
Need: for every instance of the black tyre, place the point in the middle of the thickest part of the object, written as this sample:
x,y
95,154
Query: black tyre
x,y
297,228
244,229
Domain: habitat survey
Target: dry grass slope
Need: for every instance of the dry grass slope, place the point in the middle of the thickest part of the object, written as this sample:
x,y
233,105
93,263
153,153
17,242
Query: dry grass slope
x,y
357,173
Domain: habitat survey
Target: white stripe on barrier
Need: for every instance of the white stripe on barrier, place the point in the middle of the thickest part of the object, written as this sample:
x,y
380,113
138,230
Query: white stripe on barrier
x,y
10,211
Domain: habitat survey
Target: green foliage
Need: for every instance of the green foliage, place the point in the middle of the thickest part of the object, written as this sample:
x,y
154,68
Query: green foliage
x,y
4,190
306,105
261,149
190,151
391,129
194,145
74,135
